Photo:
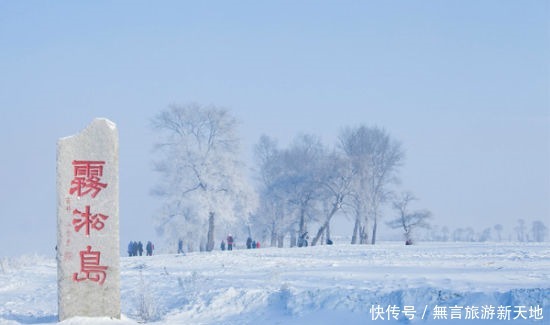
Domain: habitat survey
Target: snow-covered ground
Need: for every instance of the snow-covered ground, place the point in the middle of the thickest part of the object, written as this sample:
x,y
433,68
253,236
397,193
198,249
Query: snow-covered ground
x,y
340,284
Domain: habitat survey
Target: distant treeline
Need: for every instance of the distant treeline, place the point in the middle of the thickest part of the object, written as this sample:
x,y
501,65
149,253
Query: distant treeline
x,y
523,231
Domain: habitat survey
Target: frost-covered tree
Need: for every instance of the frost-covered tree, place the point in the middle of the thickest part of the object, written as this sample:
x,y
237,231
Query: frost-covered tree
x,y
273,217
438,233
335,184
521,230
469,234
498,228
301,178
407,220
290,185
335,187
458,234
485,235
202,179
445,233
539,231
375,158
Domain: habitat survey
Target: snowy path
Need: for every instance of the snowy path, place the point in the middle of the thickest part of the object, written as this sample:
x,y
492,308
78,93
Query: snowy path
x,y
327,284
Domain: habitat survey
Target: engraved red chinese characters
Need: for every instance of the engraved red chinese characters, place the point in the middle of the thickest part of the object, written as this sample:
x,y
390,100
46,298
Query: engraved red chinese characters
x,y
87,220
87,177
90,268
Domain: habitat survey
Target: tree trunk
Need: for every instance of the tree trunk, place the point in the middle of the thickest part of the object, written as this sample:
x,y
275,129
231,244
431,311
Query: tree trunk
x,y
408,238
201,247
273,238
302,222
363,235
356,228
319,234
374,231
281,241
326,225
328,232
292,238
210,238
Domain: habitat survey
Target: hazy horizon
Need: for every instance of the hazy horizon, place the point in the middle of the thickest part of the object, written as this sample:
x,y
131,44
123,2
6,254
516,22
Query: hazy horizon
x,y
464,86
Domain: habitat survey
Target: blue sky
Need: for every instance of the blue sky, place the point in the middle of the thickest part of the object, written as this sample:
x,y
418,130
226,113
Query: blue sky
x,y
464,85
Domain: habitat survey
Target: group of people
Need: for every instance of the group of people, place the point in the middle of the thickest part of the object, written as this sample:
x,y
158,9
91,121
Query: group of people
x,y
229,243
252,243
136,248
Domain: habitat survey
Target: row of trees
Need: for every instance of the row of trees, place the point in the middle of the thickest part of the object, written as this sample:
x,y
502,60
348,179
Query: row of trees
x,y
205,191
308,182
537,231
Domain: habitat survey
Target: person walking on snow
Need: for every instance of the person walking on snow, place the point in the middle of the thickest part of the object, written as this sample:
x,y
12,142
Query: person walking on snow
x,y
229,242
140,248
130,249
149,248
135,248
180,246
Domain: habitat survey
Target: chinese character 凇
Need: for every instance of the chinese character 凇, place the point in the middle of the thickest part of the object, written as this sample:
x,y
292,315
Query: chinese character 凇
x,y
87,219
90,268
87,176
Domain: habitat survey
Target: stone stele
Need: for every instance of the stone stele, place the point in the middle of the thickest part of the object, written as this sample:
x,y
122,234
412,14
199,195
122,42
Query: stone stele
x,y
88,254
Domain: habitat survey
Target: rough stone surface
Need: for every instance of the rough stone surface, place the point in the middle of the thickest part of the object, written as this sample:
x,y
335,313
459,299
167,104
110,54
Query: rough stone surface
x,y
88,258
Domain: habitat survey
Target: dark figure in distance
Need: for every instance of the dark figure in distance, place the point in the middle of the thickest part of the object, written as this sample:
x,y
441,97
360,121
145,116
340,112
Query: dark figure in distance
x,y
140,248
180,246
302,241
229,242
131,249
149,248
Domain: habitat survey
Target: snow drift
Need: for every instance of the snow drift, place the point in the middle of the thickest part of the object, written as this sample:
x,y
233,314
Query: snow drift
x,y
321,285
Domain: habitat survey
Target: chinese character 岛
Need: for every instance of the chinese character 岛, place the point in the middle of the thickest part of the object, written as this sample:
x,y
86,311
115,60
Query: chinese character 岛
x,y
90,268
87,176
